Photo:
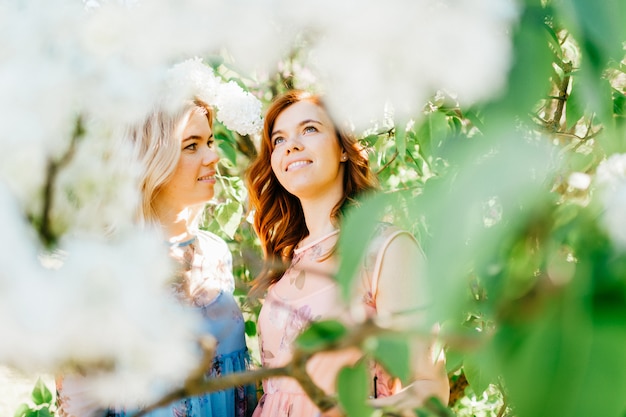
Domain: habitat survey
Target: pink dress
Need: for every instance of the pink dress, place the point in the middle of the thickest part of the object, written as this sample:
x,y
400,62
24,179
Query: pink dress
x,y
308,292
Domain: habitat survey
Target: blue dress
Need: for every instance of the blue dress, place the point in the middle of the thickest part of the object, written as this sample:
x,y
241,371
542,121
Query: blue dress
x,y
205,284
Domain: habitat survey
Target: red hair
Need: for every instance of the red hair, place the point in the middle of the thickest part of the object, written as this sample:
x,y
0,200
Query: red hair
x,y
278,218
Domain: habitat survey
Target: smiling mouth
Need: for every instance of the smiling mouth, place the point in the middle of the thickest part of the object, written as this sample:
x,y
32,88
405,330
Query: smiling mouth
x,y
297,164
207,177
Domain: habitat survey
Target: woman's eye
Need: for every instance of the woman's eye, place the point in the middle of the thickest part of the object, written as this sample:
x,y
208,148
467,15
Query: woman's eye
x,y
278,140
211,144
191,147
310,129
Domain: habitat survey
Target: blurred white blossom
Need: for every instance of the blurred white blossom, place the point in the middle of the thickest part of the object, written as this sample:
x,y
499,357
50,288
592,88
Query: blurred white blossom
x,y
104,307
579,180
403,52
611,182
492,212
106,61
98,190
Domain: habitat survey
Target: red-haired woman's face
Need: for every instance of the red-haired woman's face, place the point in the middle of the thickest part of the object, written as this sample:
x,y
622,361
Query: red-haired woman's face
x,y
306,155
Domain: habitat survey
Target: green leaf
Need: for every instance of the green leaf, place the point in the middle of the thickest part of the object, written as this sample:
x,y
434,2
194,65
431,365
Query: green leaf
x,y
250,327
555,40
43,412
431,133
475,375
393,353
619,103
41,394
353,390
400,136
229,151
320,334
229,215
575,108
356,232
602,24
22,410
532,63
454,360
476,120
370,140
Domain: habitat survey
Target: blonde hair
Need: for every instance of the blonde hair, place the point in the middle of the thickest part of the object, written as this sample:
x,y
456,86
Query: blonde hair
x,y
156,146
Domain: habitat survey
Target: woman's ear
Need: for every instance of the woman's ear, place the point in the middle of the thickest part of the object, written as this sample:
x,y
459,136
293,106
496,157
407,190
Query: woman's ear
x,y
344,156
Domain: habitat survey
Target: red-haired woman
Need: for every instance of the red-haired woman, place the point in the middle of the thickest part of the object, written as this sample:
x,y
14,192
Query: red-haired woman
x,y
307,172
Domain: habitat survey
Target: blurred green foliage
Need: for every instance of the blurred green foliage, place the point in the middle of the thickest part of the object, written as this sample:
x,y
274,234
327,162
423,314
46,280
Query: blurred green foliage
x,y
42,404
530,290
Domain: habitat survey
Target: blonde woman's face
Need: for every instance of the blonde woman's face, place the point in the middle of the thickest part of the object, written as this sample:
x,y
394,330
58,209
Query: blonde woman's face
x,y
306,155
193,180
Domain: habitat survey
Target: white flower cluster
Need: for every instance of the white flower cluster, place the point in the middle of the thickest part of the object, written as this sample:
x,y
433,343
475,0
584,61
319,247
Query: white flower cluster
x,y
236,108
102,306
611,182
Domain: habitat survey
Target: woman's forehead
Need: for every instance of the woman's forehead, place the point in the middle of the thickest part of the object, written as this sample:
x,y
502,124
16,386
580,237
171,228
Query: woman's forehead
x,y
299,112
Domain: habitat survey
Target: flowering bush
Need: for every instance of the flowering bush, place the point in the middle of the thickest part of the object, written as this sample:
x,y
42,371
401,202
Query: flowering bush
x,y
496,128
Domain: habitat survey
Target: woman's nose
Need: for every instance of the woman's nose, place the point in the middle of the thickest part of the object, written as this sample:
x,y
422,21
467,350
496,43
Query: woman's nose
x,y
294,144
210,156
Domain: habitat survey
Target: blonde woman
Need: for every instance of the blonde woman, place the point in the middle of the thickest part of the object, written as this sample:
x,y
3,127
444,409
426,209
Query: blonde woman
x,y
176,150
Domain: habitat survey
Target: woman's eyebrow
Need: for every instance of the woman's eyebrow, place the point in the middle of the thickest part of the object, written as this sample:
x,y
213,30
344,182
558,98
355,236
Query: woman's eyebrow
x,y
196,137
302,123
307,121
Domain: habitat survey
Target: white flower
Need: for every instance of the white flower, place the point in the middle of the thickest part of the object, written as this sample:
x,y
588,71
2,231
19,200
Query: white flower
x,y
98,189
106,308
612,171
611,183
237,109
579,180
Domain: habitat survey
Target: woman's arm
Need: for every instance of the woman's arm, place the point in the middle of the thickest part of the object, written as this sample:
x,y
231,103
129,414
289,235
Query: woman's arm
x,y
403,297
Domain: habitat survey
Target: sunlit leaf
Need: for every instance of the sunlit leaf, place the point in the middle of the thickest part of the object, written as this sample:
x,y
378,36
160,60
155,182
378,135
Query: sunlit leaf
x,y
532,64
556,44
353,390
400,137
228,215
475,375
41,394
356,232
371,140
602,25
575,107
321,333
394,354
21,410
229,151
42,412
430,133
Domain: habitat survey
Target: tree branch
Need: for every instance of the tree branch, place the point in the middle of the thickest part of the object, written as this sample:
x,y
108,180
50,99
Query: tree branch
x,y
45,228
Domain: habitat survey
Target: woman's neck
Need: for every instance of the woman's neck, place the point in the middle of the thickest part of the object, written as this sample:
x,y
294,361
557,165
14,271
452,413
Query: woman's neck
x,y
317,215
174,223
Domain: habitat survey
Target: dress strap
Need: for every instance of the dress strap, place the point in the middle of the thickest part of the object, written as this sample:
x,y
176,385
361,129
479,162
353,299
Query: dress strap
x,y
315,242
379,259
183,243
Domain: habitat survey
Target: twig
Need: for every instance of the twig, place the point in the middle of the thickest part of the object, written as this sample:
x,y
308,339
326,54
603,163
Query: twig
x,y
214,384
45,228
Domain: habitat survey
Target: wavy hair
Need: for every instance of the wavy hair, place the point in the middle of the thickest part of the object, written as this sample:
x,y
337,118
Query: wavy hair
x,y
278,217
156,146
